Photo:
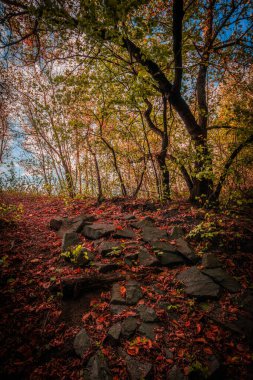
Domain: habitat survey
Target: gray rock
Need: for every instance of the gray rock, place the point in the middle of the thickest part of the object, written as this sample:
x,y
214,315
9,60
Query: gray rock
x,y
109,246
117,309
162,246
81,343
105,268
147,314
214,366
56,223
223,278
209,260
139,370
150,234
97,230
124,234
129,326
84,257
97,368
130,258
170,259
129,217
117,298
114,332
186,251
198,285
246,301
175,374
133,292
146,222
177,232
148,330
146,259
77,224
70,239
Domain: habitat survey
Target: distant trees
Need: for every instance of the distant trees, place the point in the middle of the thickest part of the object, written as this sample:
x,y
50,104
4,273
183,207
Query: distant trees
x,y
137,88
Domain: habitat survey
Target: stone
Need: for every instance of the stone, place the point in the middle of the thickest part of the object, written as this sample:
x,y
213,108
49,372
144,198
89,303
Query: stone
x,y
148,330
133,292
130,258
170,259
128,327
117,309
214,366
56,223
175,374
117,298
146,259
246,301
97,230
147,314
209,260
163,246
77,224
124,234
223,279
198,285
184,249
81,343
105,268
114,332
84,257
129,217
70,239
177,232
97,368
150,234
146,222
107,247
139,370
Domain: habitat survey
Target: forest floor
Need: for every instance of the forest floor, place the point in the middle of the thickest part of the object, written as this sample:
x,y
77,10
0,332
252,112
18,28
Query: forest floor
x,y
135,319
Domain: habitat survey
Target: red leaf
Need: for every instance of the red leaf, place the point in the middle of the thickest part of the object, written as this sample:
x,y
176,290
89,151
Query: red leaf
x,y
199,328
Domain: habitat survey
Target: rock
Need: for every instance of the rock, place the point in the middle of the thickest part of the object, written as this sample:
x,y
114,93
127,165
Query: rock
x,y
146,259
97,230
146,222
175,374
81,343
56,223
84,257
129,217
133,292
150,234
109,246
246,301
223,279
209,260
117,298
162,246
117,309
130,258
105,268
129,326
170,259
214,367
70,239
139,370
147,314
114,332
148,330
186,251
177,232
124,234
198,285
97,368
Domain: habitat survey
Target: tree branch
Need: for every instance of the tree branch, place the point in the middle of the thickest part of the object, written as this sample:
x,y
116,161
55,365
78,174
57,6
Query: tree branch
x,y
178,15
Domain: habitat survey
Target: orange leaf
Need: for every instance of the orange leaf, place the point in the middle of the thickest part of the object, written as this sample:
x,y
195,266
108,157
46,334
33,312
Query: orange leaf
x,y
134,350
123,291
199,328
208,350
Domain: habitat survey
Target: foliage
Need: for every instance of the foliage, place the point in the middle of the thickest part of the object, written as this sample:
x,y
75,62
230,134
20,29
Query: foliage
x,y
11,212
77,255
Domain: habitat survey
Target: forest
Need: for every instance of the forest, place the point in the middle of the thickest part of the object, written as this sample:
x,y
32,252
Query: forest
x,y
126,189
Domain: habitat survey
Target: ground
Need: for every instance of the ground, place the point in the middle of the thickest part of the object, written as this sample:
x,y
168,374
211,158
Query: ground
x,y
39,322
